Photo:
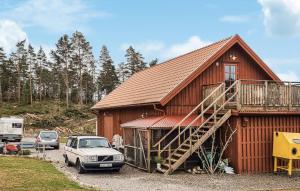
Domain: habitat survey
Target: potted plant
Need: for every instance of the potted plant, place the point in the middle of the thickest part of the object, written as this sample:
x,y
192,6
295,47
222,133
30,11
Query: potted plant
x,y
158,161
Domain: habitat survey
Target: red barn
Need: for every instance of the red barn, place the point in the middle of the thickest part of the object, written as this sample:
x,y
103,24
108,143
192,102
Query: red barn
x,y
173,108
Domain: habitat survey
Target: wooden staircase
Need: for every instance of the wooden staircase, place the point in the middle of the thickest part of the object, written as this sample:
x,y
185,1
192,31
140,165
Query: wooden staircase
x,y
191,137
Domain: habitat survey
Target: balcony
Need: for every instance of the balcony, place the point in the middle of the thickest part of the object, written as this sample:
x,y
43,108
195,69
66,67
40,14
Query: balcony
x,y
262,95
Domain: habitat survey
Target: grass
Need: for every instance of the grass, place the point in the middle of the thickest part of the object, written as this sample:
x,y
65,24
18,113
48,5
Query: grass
x,y
18,174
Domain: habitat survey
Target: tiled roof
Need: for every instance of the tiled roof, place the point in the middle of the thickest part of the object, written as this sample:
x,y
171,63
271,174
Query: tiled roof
x,y
160,122
153,84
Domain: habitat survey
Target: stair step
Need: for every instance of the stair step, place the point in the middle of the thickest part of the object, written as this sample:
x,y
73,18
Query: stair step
x,y
165,165
183,150
177,155
186,145
172,159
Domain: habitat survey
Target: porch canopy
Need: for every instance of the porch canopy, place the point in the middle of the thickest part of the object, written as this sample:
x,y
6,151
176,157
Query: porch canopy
x,y
161,122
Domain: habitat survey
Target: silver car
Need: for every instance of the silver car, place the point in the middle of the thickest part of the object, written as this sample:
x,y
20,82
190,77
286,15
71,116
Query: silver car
x,y
47,139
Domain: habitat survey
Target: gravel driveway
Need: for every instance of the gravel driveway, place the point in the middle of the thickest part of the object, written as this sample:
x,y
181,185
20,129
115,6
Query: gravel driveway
x,y
131,179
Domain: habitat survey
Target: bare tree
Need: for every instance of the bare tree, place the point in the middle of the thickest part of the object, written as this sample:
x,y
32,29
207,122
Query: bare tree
x,y
212,159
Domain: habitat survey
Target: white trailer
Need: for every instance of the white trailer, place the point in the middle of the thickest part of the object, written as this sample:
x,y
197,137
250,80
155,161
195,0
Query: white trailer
x,y
11,128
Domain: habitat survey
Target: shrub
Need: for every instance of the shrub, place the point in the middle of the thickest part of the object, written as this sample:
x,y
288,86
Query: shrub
x,y
25,152
74,113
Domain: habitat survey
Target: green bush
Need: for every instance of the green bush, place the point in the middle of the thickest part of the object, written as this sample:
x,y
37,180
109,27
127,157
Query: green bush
x,y
75,113
48,122
25,152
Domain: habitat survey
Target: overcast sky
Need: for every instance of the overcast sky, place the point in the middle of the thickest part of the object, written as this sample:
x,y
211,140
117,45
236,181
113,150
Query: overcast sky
x,y
161,29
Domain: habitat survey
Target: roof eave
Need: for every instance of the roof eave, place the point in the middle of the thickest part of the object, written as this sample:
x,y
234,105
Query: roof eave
x,y
123,106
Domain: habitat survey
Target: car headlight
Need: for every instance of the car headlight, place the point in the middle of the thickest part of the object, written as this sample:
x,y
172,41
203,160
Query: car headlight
x,y
92,158
118,157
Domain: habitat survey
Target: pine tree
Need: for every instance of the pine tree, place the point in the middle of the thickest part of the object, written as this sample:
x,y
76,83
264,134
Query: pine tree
x,y
135,62
108,77
62,58
40,66
122,72
19,61
82,57
31,63
2,60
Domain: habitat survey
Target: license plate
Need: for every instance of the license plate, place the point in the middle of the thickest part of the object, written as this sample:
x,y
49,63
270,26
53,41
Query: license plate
x,y
106,165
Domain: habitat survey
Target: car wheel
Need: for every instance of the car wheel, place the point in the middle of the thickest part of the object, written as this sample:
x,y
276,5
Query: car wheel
x,y
56,147
79,167
117,170
67,161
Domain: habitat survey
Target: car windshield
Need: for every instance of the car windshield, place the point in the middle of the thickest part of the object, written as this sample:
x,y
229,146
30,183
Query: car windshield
x,y
48,135
93,143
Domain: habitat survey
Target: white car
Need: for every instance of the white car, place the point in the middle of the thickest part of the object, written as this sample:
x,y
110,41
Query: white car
x,y
92,153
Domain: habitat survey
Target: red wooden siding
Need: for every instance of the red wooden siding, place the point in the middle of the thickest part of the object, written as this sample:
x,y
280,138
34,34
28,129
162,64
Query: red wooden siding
x,y
120,116
255,141
191,96
108,126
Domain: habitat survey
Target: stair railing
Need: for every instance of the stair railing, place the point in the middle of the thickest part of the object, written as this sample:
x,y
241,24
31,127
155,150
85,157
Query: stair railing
x,y
189,126
178,125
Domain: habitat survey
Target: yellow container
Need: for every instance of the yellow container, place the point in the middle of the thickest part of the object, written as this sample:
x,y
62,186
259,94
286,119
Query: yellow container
x,y
286,146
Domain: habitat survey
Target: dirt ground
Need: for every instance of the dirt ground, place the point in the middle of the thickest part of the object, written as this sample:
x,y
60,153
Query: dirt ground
x,y
131,179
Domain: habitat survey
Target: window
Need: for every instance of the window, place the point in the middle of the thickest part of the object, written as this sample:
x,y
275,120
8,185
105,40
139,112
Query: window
x,y
48,135
230,76
69,142
93,143
74,143
17,125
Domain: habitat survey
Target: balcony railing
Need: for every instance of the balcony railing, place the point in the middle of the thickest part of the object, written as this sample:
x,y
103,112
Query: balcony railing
x,y
264,95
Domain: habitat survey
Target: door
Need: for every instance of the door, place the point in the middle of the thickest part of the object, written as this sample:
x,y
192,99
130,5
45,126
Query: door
x,y
230,75
108,127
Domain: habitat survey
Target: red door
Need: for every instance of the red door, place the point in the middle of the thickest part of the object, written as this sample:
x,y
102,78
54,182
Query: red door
x,y
108,127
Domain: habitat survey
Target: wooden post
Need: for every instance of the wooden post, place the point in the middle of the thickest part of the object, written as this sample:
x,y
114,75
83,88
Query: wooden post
x,y
179,141
134,145
238,145
149,150
290,96
169,157
190,137
158,154
266,95
238,95
215,116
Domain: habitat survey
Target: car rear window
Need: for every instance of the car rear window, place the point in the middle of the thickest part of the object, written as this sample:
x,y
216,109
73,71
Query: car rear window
x,y
48,135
